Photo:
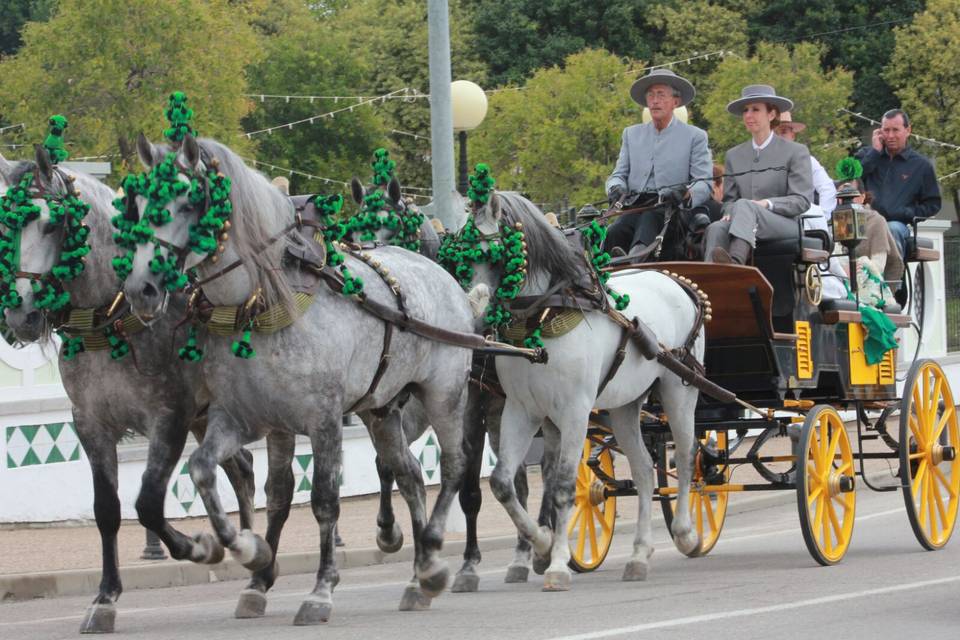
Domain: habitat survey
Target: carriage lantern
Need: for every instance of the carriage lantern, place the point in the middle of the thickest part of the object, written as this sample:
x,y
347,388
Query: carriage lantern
x,y
587,213
848,228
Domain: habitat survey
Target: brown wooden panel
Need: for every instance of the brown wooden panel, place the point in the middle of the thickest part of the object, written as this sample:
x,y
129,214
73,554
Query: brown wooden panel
x,y
727,286
836,317
925,255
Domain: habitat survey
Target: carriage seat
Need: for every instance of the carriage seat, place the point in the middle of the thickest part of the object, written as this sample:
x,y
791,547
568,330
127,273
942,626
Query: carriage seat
x,y
843,310
815,247
921,250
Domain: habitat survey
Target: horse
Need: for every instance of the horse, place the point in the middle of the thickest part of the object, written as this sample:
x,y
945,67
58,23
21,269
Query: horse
x,y
147,390
484,403
330,355
560,394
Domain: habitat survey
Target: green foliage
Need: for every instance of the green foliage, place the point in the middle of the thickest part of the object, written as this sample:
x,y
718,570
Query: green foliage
x,y
110,64
16,13
560,137
520,37
307,55
795,73
390,37
864,51
925,69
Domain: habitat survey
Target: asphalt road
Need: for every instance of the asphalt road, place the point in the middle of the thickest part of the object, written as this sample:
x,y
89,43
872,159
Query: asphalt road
x,y
759,582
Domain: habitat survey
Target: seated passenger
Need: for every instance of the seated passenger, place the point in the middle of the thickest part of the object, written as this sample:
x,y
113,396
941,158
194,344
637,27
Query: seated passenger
x,y
764,203
879,244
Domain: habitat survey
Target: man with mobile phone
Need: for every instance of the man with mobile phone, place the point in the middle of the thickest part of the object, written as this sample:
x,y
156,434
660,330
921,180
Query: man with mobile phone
x,y
902,181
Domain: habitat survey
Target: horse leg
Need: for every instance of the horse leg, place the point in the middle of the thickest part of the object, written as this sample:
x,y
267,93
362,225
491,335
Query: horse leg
x,y
565,454
626,428
516,434
221,442
326,440
548,516
471,497
101,448
279,489
679,402
445,408
389,534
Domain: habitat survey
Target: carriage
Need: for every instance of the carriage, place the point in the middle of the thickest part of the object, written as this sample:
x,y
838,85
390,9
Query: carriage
x,y
798,360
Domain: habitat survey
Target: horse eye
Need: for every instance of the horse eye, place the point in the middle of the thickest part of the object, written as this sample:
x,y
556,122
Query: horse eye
x,y
49,228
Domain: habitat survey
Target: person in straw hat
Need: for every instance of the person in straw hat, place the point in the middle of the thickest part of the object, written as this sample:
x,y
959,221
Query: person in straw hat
x,y
824,190
657,160
776,185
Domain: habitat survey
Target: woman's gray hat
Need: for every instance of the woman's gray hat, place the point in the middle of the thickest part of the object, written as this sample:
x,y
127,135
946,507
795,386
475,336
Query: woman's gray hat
x,y
662,76
759,93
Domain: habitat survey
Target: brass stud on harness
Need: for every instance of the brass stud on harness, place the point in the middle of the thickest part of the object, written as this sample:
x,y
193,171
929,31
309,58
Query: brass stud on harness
x,y
215,163
215,259
224,236
226,225
518,226
221,248
71,178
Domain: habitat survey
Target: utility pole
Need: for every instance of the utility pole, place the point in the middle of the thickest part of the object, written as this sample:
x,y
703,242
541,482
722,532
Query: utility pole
x,y
441,114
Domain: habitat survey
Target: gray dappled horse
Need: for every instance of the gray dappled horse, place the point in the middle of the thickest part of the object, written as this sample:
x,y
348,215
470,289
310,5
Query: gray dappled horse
x,y
484,407
149,390
305,376
560,394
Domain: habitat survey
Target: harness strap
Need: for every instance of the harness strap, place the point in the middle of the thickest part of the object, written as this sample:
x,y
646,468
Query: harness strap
x,y
617,361
381,367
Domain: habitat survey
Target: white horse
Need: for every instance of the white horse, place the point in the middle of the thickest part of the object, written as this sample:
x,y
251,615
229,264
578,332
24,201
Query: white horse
x,y
561,394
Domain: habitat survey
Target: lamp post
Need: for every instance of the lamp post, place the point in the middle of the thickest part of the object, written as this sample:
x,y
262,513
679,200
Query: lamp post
x,y
469,109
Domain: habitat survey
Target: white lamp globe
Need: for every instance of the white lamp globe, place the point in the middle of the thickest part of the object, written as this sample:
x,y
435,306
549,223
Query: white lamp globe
x,y
469,105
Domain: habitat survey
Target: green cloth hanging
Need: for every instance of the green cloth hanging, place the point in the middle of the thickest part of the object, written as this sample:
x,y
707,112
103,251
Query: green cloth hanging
x,y
880,334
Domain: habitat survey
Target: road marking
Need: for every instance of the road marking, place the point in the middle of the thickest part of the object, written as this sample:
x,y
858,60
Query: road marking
x,y
278,595
739,613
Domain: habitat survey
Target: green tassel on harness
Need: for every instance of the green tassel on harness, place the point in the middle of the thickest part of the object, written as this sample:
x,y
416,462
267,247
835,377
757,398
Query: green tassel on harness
x,y
54,141
119,347
178,114
191,352
72,345
242,348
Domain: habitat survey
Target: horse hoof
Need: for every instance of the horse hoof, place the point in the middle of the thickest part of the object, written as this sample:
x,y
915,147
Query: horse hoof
x,y
252,604
434,580
414,600
392,542
688,544
556,581
517,573
635,571
206,549
465,583
540,564
252,551
313,613
100,618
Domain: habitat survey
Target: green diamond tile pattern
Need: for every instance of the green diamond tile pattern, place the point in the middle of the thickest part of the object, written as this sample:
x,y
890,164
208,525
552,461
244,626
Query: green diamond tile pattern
x,y
39,444
183,489
303,473
430,457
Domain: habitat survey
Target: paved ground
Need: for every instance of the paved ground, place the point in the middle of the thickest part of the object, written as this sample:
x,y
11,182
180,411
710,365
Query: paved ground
x,y
759,582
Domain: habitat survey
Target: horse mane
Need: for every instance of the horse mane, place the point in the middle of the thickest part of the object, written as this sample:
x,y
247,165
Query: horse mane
x,y
547,248
260,211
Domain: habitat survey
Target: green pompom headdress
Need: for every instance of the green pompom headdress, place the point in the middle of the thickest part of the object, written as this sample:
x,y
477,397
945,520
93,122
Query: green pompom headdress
x,y
178,114
481,184
54,140
383,167
849,169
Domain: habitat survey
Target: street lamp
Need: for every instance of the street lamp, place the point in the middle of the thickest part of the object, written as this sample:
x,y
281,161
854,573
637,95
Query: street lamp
x,y
469,104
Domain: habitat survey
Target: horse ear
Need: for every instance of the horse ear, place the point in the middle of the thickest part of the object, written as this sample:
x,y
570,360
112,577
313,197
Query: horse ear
x,y
149,154
44,164
356,189
393,190
190,152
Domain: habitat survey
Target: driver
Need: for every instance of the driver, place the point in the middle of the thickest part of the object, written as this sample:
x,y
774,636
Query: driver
x,y
657,159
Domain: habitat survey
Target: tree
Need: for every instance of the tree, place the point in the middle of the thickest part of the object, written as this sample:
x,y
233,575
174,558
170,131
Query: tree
x,y
925,70
390,37
521,36
109,65
795,73
558,138
695,28
857,35
306,55
16,13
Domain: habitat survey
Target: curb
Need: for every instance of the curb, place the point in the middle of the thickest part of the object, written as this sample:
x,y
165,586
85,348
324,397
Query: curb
x,y
173,573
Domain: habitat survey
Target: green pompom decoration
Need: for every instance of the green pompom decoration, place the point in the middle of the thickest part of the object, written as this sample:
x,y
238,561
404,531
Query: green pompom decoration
x,y
481,184
383,167
54,140
191,352
849,169
119,347
72,345
178,114
242,348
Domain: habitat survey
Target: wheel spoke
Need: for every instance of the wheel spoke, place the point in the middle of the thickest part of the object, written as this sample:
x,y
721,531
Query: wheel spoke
x,y
823,434
818,514
699,515
604,525
593,538
943,479
814,495
846,466
934,400
921,504
711,517
837,530
915,430
578,510
947,415
938,499
934,533
813,473
924,407
582,535
832,447
921,471
825,532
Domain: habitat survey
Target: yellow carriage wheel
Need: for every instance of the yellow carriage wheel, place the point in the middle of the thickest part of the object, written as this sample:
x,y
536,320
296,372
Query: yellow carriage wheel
x,y
929,465
590,528
708,509
826,498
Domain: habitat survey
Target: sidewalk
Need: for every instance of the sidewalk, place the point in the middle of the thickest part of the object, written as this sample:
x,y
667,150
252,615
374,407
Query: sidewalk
x,y
42,561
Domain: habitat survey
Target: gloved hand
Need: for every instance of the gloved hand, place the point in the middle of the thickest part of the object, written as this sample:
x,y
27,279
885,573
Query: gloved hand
x,y
616,193
671,196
